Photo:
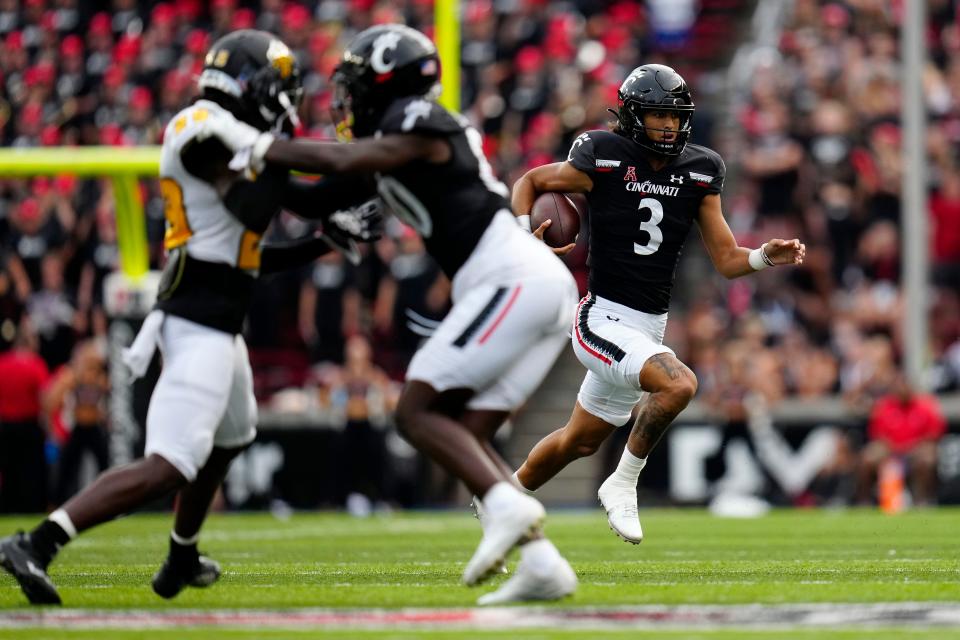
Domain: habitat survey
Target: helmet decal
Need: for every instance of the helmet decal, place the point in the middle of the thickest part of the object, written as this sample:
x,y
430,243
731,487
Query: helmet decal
x,y
280,57
386,41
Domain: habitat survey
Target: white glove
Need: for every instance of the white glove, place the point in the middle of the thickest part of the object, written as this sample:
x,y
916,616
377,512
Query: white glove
x,y
362,222
248,144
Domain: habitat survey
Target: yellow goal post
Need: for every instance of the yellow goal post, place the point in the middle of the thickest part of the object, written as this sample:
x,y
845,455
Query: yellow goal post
x,y
123,165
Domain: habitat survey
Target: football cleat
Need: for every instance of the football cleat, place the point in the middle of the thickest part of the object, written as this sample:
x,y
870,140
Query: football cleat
x,y
535,583
171,579
502,531
480,514
19,558
620,504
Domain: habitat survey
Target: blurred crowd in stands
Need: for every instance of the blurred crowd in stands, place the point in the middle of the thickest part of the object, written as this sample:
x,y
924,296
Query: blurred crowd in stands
x,y
811,142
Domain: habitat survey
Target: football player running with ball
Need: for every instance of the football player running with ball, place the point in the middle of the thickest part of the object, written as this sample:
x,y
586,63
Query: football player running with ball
x,y
202,412
646,186
513,298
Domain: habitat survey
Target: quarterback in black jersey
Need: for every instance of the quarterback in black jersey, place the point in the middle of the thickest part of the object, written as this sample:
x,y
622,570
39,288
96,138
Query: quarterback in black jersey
x,y
646,186
202,411
512,297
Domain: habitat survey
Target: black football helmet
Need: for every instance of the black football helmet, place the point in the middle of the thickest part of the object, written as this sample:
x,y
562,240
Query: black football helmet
x,y
380,65
654,87
254,76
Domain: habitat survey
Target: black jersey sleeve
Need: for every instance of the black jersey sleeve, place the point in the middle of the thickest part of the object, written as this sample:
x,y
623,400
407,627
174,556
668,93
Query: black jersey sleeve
x,y
318,199
712,175
419,116
582,155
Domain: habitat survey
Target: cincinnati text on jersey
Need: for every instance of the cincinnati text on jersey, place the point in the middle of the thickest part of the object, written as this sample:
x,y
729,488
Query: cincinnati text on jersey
x,y
650,188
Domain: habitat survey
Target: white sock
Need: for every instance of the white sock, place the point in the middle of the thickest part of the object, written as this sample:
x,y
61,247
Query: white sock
x,y
185,542
516,481
628,471
61,518
500,496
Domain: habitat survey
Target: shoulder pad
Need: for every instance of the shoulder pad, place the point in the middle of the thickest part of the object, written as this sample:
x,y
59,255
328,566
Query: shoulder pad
x,y
418,115
707,169
586,152
187,123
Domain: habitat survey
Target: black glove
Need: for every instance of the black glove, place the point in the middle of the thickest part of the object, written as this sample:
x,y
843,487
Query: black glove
x,y
363,222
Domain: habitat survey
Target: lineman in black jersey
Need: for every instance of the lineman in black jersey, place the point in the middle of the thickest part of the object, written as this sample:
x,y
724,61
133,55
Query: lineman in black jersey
x,y
646,187
202,412
512,297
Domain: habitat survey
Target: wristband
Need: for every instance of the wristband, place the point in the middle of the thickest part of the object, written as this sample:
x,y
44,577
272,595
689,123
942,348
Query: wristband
x,y
524,222
759,260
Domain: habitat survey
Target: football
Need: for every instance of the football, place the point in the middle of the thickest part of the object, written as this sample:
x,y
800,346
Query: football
x,y
564,214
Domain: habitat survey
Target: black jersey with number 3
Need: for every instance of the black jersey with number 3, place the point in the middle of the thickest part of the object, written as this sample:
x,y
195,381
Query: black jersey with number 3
x,y
640,218
449,204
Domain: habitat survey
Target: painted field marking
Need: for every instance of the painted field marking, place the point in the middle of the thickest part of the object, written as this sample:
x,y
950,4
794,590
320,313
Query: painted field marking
x,y
909,614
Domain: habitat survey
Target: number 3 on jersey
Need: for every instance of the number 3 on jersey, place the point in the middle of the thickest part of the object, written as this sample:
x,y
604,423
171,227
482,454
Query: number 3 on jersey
x,y
651,226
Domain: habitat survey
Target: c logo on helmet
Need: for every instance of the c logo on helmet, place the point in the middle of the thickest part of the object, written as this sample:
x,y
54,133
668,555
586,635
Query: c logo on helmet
x,y
385,42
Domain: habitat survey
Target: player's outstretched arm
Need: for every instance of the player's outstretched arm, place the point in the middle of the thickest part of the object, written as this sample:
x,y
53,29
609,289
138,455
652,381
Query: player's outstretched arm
x,y
254,149
732,260
367,155
319,199
558,177
281,256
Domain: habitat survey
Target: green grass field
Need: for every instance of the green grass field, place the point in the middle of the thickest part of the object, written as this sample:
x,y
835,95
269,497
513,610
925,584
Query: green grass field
x,y
415,560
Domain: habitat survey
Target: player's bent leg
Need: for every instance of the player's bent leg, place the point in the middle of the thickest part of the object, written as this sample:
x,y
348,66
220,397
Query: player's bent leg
x,y
26,556
483,424
671,386
121,490
185,565
423,417
580,437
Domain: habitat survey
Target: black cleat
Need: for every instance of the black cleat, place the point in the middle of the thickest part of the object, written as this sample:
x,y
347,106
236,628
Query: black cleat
x,y
19,558
170,579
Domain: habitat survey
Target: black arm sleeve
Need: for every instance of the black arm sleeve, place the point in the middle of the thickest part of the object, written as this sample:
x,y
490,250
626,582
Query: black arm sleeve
x,y
318,199
290,255
255,203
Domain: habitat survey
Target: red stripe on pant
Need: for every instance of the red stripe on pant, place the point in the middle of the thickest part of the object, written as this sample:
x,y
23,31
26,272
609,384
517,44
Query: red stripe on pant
x,y
501,315
587,348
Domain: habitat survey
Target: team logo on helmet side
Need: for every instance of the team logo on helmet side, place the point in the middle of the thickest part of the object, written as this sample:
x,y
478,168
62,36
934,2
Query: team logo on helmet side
x,y
381,64
281,58
255,76
385,42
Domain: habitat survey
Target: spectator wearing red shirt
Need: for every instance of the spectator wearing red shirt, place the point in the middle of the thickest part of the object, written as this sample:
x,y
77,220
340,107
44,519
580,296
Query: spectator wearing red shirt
x,y
23,465
907,425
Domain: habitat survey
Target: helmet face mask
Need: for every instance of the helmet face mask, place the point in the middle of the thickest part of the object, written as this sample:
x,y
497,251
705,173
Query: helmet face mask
x,y
655,88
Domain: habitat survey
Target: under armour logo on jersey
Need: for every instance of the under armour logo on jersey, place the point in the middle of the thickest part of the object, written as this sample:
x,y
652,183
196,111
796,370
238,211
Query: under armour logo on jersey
x,y
631,174
675,178
387,41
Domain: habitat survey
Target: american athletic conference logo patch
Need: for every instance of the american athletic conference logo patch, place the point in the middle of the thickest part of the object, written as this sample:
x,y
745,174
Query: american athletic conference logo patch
x,y
631,174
